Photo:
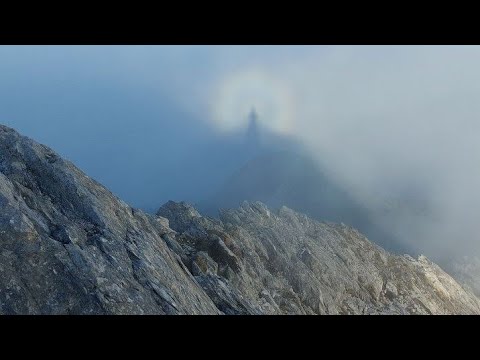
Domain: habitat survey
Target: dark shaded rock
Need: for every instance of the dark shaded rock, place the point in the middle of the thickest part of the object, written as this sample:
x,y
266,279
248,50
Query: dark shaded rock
x,y
202,264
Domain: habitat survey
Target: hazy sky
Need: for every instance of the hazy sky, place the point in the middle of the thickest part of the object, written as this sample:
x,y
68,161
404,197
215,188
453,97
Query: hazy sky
x,y
140,119
157,122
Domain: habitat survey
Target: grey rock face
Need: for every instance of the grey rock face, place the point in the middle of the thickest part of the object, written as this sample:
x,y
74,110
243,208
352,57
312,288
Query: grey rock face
x,y
69,246
286,263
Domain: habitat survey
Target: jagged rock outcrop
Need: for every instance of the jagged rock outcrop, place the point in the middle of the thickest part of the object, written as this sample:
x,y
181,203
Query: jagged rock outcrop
x,y
69,246
286,263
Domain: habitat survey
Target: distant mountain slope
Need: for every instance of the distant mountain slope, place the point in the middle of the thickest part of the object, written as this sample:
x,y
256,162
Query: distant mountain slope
x,y
467,272
69,246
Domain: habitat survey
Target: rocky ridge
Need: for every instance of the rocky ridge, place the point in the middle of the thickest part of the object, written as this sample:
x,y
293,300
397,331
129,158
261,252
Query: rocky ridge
x,y
69,246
